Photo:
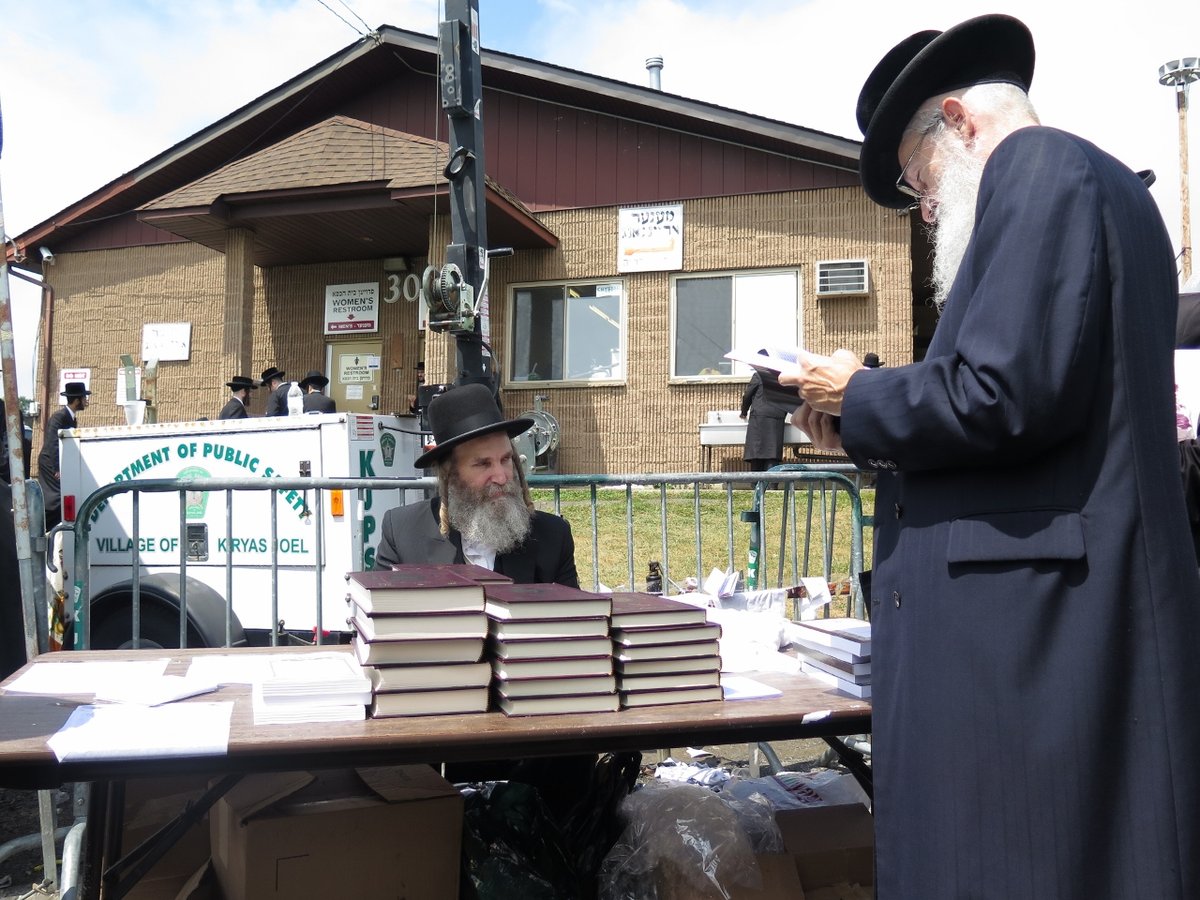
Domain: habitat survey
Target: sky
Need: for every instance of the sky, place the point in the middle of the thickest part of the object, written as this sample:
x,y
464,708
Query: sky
x,y
90,89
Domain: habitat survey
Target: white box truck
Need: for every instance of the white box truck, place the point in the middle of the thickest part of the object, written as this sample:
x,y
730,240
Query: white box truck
x,y
330,445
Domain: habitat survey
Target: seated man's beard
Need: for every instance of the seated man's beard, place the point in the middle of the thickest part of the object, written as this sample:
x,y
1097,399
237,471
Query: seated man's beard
x,y
958,190
494,516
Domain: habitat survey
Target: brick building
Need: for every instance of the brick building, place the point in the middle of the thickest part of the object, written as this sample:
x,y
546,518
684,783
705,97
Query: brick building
x,y
229,246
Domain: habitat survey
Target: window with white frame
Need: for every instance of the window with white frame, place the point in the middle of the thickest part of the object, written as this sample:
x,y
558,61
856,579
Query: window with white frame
x,y
714,313
567,332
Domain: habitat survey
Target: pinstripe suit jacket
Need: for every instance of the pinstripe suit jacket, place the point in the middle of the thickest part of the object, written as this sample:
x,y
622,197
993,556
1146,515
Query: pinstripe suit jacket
x,y
1035,599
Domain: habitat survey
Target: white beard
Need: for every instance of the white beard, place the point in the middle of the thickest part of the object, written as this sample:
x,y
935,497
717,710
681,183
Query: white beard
x,y
495,517
954,225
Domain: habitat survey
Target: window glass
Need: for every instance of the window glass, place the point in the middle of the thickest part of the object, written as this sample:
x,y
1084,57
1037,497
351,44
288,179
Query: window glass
x,y
567,332
714,313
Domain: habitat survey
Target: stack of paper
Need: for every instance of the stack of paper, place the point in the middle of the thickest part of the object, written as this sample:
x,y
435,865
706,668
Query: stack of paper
x,y
312,687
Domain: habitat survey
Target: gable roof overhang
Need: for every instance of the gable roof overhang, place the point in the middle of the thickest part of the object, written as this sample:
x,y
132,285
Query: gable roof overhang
x,y
340,189
299,102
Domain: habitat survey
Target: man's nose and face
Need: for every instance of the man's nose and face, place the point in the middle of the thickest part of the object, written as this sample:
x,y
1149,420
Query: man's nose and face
x,y
485,464
917,155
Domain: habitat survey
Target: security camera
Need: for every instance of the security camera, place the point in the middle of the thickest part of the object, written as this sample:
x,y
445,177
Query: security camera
x,y
47,256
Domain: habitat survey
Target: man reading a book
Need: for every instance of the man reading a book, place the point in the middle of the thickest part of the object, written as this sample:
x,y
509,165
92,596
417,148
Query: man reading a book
x,y
483,513
1035,603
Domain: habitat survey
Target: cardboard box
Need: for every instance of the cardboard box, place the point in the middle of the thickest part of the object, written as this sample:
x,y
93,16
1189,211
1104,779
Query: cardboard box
x,y
150,803
374,834
830,844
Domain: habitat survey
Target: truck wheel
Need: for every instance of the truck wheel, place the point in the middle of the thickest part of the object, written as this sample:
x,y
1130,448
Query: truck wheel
x,y
160,630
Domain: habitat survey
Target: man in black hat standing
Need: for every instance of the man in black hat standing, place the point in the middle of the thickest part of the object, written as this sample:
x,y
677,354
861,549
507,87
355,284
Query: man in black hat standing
x,y
277,391
76,394
314,401
236,407
483,513
1035,604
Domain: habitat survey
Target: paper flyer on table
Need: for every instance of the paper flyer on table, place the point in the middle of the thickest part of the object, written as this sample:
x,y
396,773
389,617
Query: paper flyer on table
x,y
89,677
135,732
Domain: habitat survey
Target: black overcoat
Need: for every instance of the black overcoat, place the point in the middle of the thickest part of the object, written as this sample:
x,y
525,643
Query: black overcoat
x,y
764,427
234,409
48,461
1035,600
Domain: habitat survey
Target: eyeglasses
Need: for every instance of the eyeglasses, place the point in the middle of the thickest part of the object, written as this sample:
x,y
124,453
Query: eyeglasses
x,y
901,185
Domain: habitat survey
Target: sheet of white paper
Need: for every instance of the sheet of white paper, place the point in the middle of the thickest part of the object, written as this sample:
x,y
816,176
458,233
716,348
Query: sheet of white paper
x,y
777,359
86,678
233,668
154,691
739,687
138,732
817,590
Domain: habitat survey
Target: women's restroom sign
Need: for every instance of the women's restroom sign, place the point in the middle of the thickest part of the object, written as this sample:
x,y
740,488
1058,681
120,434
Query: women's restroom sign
x,y
351,308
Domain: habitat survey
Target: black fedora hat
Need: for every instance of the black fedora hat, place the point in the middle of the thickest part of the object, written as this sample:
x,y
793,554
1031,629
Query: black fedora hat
x,y
986,49
314,378
462,414
241,383
74,389
270,373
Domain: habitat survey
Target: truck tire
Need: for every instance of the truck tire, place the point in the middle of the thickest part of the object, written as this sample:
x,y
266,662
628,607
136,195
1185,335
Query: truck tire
x,y
112,615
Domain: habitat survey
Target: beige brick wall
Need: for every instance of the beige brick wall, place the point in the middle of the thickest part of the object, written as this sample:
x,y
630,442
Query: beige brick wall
x,y
643,425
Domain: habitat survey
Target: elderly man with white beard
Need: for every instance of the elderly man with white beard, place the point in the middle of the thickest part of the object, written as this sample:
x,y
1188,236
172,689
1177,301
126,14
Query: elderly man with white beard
x,y
1035,605
483,513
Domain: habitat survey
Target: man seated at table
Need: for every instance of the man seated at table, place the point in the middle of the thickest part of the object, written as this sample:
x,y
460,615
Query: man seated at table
x,y
483,513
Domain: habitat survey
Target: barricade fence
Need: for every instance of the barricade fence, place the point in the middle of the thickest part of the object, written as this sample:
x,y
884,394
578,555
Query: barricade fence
x,y
800,521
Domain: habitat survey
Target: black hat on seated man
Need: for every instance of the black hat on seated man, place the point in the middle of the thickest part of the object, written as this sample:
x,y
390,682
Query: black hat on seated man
x,y
316,379
462,414
983,50
270,373
241,383
74,390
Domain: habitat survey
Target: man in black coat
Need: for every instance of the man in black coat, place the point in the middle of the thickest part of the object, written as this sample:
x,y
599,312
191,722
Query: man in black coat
x,y
764,428
277,391
76,394
236,407
1035,605
314,401
487,517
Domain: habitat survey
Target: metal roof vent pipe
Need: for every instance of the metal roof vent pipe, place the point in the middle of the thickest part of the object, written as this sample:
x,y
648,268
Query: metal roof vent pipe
x,y
654,66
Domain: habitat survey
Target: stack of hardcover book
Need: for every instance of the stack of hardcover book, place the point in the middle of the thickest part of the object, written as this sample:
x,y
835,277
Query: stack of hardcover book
x,y
837,652
665,651
549,649
317,687
420,632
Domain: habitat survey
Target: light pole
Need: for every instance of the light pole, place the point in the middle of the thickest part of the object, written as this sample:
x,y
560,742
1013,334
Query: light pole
x,y
1179,73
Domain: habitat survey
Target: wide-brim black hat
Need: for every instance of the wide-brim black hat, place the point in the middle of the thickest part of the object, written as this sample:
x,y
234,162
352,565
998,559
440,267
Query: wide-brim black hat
x,y
986,49
462,414
270,373
241,383
74,389
314,378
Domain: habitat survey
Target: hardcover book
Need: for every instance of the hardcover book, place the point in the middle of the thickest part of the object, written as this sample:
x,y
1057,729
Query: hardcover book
x,y
804,647
429,677
672,695
665,651
638,637
550,647
423,650
479,574
527,629
543,601
850,635
410,626
858,672
862,691
666,666
513,669
556,686
636,610
430,703
668,680
536,706
414,588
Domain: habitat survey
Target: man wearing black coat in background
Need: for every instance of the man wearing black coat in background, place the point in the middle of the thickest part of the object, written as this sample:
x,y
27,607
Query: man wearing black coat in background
x,y
76,394
236,407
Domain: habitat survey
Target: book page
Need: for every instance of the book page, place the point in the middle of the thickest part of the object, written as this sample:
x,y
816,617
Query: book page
x,y
775,359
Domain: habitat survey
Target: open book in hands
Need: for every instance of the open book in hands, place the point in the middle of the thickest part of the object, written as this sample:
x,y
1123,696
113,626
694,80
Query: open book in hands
x,y
770,363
